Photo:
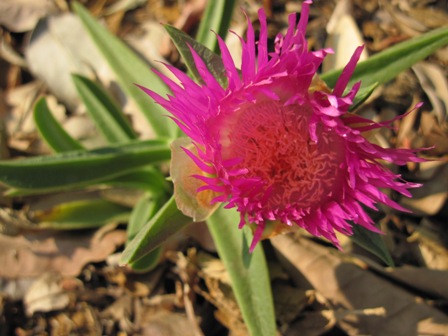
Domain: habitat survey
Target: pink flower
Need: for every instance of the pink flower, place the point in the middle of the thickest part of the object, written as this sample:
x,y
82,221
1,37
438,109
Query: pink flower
x,y
277,144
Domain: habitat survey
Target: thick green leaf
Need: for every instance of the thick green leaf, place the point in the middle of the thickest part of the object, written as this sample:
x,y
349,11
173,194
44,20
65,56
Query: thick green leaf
x,y
130,69
248,272
84,214
384,66
144,210
211,60
51,131
363,94
147,178
148,262
372,242
168,221
116,128
107,116
76,168
216,18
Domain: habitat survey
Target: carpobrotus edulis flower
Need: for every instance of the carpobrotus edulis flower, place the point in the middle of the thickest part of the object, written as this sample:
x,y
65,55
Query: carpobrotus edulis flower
x,y
278,144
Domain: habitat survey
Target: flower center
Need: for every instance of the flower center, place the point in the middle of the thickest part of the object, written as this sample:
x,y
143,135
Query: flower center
x,y
274,144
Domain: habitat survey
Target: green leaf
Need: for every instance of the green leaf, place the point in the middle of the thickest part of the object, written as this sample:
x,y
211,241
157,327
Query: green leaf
x,y
130,69
107,116
363,94
144,210
148,262
248,272
78,168
372,242
384,66
147,178
216,18
211,60
168,221
51,131
84,214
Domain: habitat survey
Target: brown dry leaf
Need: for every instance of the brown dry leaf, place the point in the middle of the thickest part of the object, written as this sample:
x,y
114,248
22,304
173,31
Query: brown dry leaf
x,y
22,15
20,121
434,134
413,18
187,271
82,127
63,40
313,324
220,294
433,80
85,321
45,295
430,198
352,288
123,6
146,41
121,311
289,302
405,22
344,37
20,101
317,319
431,244
15,289
61,324
186,20
213,268
190,14
165,323
422,279
65,253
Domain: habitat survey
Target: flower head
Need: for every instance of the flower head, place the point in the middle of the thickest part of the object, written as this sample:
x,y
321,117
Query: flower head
x,y
278,144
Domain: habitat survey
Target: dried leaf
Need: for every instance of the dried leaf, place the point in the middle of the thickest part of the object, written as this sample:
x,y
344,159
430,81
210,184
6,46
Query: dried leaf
x,y
45,295
289,302
434,134
435,84
63,40
15,289
20,101
313,324
422,279
352,288
64,253
22,15
344,37
414,21
220,294
167,323
431,243
430,198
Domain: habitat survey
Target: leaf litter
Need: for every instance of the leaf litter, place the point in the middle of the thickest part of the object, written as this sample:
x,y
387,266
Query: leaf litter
x,y
68,283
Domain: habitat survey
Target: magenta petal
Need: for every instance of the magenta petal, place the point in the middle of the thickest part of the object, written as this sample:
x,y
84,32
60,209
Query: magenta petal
x,y
344,78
